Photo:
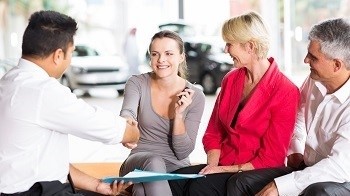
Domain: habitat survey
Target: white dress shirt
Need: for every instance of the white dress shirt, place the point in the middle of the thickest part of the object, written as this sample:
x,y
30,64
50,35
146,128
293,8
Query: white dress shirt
x,y
37,114
322,134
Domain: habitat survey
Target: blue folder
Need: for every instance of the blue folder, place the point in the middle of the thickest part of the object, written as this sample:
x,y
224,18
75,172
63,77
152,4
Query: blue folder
x,y
138,176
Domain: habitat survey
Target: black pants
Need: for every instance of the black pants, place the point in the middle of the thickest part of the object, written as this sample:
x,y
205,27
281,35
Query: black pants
x,y
251,182
52,188
210,185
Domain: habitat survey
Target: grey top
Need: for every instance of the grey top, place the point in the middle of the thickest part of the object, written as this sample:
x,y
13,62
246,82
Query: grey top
x,y
156,131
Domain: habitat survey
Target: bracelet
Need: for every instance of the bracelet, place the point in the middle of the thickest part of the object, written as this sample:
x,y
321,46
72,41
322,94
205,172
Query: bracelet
x,y
239,168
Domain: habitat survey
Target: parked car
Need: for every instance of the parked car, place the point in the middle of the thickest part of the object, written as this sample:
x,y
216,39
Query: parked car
x,y
207,63
6,65
89,69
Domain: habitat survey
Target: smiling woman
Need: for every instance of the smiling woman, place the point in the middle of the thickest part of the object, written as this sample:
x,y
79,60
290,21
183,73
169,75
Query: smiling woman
x,y
206,61
244,130
168,109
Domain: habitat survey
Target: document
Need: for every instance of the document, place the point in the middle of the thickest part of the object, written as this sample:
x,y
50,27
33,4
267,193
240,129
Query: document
x,y
138,176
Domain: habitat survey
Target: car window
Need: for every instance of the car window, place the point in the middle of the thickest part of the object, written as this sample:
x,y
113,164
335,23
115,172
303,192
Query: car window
x,y
181,29
84,51
204,48
194,49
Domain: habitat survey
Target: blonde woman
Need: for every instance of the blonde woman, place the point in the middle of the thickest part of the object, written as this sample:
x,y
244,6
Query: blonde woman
x,y
254,114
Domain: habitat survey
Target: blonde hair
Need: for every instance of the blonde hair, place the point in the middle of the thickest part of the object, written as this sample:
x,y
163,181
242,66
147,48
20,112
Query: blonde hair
x,y
248,27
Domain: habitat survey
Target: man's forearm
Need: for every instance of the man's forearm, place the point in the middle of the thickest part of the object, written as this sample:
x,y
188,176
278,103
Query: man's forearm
x,y
82,180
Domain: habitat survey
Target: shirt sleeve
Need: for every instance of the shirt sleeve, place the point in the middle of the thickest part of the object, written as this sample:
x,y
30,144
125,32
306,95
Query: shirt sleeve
x,y
334,168
297,144
61,111
214,133
184,144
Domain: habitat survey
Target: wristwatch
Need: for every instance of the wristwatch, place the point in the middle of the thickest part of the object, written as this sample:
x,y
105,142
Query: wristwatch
x,y
239,168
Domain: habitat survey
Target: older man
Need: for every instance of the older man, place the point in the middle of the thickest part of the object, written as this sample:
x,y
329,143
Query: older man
x,y
319,147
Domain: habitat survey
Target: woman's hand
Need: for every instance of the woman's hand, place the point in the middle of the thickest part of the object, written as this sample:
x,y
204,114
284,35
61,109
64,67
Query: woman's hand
x,y
184,101
130,145
211,169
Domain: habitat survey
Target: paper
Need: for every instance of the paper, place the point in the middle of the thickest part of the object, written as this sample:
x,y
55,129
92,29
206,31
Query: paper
x,y
138,176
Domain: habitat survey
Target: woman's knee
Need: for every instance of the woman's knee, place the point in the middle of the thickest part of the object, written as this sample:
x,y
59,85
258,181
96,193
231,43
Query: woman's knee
x,y
239,185
138,190
154,163
143,161
236,180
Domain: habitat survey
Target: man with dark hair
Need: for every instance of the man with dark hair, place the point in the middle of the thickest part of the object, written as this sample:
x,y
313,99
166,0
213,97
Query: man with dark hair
x,y
319,147
37,114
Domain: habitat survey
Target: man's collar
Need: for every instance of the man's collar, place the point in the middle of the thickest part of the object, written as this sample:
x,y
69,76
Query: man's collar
x,y
341,94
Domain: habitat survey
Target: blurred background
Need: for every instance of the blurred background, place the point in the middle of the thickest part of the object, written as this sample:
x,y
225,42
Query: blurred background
x,y
106,25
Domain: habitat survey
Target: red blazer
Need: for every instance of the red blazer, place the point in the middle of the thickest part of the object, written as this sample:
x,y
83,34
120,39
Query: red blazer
x,y
264,126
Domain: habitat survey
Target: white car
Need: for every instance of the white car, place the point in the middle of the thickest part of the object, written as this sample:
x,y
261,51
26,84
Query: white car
x,y
89,70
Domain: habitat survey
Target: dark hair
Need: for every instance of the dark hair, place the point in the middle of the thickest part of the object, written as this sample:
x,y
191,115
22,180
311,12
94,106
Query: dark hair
x,y
173,35
46,32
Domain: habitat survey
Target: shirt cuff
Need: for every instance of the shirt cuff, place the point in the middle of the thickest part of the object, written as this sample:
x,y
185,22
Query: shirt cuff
x,y
286,185
121,126
296,146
